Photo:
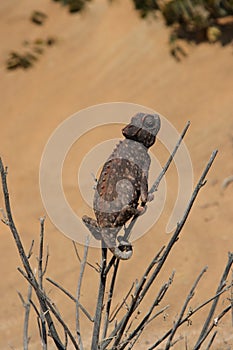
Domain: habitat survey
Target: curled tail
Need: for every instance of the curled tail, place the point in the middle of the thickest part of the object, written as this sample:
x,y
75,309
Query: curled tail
x,y
124,251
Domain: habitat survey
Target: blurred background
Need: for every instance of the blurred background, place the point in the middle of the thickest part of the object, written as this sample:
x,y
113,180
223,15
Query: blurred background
x,y
58,58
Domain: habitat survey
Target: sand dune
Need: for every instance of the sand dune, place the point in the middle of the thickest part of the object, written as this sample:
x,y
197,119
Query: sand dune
x,y
109,54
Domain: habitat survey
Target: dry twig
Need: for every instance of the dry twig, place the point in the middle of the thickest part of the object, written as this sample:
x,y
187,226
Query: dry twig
x,y
29,273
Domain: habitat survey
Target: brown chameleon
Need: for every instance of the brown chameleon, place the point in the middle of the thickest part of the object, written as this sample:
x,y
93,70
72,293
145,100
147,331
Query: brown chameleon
x,y
123,182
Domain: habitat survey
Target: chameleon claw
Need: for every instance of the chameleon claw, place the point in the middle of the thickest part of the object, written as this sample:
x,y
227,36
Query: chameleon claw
x,y
92,226
141,210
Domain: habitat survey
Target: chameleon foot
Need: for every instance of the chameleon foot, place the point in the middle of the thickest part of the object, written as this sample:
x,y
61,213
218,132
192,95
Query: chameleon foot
x,y
141,210
92,226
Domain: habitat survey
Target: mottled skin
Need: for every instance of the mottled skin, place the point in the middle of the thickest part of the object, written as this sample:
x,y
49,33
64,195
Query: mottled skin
x,y
123,182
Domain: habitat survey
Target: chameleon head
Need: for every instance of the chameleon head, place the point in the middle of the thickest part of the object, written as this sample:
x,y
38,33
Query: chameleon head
x,y
143,128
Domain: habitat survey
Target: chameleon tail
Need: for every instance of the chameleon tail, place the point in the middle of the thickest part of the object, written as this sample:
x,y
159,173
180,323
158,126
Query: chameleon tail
x,y
123,255
123,252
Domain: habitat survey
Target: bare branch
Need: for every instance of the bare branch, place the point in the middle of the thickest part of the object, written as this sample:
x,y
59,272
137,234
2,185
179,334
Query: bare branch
x,y
82,269
76,251
46,261
189,315
189,297
135,339
158,313
37,317
79,259
86,313
215,323
26,305
146,319
154,261
52,307
138,289
170,159
41,250
211,340
115,312
100,299
30,249
109,301
215,302
110,264
61,321
231,297
40,282
180,225
26,318
25,261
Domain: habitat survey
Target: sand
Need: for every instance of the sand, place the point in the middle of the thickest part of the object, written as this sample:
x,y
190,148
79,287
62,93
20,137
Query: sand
x,y
109,54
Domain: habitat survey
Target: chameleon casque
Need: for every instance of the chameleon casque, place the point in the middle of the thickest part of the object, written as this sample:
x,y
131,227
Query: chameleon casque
x,y
123,183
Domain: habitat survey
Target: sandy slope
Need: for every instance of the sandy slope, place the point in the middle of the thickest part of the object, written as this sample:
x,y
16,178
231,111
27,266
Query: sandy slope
x,y
109,54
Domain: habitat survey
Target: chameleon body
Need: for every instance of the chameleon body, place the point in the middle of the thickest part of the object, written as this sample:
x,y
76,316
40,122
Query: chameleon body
x,y
122,188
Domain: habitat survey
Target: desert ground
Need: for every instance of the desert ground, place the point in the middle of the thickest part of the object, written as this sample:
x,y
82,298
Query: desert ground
x,y
109,54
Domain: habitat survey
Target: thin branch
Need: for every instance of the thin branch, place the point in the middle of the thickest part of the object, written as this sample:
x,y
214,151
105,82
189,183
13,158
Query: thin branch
x,y
109,301
189,315
211,340
158,313
180,225
38,317
53,308
100,299
138,289
26,305
79,259
215,323
31,249
31,277
133,342
86,313
177,340
110,264
82,269
4,218
189,297
215,302
46,261
116,311
76,251
55,312
40,282
41,250
130,325
144,278
231,293
155,185
26,318
146,318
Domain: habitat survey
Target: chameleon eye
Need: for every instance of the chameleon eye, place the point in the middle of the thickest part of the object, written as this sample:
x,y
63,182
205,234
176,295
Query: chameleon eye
x,y
149,121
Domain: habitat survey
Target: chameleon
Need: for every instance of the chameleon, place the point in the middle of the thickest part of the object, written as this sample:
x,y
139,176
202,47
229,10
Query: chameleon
x,y
122,188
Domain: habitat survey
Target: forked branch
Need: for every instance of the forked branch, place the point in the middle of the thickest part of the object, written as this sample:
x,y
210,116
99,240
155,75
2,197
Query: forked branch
x,y
45,305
